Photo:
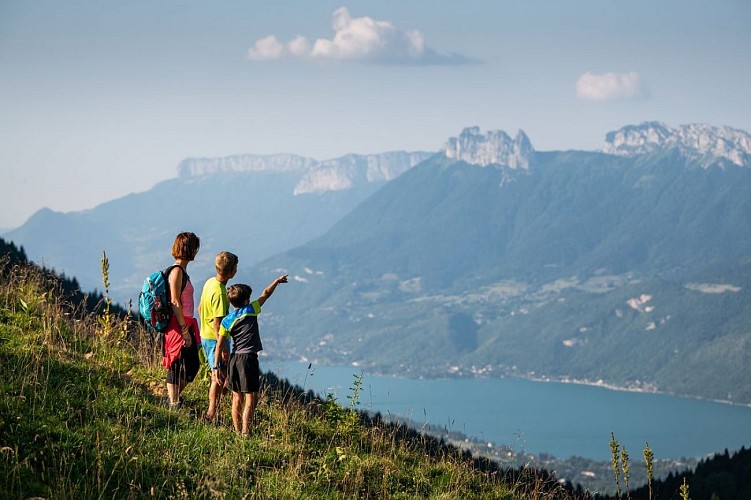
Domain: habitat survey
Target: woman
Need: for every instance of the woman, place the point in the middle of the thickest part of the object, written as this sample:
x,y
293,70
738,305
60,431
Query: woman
x,y
181,338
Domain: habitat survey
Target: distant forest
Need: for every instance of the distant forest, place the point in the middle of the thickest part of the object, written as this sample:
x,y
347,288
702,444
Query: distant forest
x,y
71,291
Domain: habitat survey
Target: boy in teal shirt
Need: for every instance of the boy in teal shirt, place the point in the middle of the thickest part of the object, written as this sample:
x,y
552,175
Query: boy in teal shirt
x,y
244,371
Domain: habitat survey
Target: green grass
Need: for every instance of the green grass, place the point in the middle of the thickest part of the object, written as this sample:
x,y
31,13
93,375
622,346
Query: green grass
x,y
82,415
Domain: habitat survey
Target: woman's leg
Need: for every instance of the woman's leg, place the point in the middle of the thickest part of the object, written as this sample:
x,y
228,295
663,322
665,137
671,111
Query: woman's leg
x,y
181,388
171,360
174,382
173,392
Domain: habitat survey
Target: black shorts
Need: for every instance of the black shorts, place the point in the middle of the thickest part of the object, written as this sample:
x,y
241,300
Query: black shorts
x,y
186,366
244,373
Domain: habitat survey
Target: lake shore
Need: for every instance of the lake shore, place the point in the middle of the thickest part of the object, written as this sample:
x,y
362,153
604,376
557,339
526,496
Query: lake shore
x,y
456,372
570,418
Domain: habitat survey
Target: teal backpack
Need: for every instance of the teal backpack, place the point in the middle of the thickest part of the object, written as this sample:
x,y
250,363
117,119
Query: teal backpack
x,y
154,301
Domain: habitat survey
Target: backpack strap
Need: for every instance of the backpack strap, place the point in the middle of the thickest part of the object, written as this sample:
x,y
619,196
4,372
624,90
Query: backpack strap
x,y
185,279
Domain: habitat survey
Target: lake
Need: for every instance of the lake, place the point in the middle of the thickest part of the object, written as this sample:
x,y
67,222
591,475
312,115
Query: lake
x,y
539,417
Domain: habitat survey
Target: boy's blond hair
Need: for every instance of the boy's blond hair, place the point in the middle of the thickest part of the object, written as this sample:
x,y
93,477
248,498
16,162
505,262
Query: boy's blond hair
x,y
225,263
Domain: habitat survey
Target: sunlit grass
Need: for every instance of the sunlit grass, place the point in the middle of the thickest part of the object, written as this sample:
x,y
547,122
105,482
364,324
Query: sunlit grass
x,y
83,416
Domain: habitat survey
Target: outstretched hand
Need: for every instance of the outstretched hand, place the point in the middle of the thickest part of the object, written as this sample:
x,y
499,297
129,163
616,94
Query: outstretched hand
x,y
270,289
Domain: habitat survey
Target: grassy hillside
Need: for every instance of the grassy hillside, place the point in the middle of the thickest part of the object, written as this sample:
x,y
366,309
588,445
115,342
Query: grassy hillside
x,y
82,415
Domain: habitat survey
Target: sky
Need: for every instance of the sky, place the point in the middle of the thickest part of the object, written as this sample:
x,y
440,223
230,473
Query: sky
x,y
103,98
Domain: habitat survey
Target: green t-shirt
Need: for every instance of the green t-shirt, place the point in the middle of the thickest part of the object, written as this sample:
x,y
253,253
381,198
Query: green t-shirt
x,y
214,304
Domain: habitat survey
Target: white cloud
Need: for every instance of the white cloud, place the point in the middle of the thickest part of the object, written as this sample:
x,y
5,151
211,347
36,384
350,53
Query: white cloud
x,y
610,87
299,47
266,49
357,39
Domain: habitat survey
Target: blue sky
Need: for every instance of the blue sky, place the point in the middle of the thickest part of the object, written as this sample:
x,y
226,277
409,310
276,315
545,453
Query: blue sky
x,y
102,98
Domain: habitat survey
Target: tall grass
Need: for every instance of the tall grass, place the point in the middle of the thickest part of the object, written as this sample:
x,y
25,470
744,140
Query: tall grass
x,y
82,416
620,463
649,458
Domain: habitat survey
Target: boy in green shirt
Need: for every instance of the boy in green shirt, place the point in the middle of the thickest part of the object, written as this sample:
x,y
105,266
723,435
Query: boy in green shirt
x,y
212,308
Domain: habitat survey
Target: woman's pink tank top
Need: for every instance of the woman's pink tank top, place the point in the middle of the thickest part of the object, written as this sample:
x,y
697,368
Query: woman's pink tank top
x,y
186,300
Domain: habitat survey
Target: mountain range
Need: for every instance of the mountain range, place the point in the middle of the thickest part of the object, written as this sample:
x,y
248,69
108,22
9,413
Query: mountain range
x,y
627,267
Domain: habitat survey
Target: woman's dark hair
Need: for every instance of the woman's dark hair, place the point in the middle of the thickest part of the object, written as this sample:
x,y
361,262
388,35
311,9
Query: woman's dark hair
x,y
239,295
186,246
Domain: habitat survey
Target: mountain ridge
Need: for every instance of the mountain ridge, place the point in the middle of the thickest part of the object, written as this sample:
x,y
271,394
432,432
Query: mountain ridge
x,y
699,142
335,174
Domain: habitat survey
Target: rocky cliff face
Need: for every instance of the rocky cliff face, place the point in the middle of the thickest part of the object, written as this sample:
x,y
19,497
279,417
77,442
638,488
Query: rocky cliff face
x,y
245,163
337,174
352,170
704,144
492,148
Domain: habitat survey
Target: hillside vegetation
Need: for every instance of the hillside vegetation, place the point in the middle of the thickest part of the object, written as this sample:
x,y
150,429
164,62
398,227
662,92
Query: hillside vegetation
x,y
82,416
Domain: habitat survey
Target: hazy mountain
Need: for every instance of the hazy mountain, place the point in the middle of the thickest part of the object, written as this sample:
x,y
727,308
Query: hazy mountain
x,y
629,269
252,205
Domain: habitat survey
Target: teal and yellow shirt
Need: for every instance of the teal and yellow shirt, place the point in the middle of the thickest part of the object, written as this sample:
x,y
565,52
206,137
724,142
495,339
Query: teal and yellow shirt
x,y
242,325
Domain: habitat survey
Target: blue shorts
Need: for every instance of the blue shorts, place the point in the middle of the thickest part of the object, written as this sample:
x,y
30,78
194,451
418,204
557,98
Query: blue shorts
x,y
209,348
